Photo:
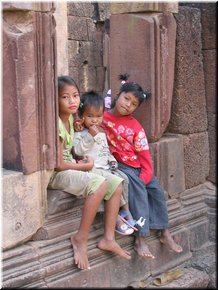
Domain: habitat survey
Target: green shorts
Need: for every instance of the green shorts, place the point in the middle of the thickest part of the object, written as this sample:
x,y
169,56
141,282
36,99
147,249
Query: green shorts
x,y
113,181
82,183
78,183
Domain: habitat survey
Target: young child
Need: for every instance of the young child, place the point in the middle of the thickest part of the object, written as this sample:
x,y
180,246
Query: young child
x,y
92,142
128,143
74,177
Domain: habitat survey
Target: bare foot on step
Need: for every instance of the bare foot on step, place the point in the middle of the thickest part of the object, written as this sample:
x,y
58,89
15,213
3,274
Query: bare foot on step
x,y
80,254
168,241
113,246
142,250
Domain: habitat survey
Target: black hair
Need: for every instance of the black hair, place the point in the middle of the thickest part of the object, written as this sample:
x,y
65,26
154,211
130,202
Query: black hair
x,y
134,88
66,80
91,99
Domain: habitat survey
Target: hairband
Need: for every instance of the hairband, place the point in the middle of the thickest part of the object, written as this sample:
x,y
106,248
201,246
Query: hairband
x,y
124,82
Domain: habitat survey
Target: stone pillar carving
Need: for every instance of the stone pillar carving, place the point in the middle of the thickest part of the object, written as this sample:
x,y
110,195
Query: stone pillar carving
x,y
29,89
144,47
29,117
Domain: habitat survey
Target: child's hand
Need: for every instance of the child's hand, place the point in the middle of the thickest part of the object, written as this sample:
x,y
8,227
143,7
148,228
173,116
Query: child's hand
x,y
78,126
113,165
94,130
88,161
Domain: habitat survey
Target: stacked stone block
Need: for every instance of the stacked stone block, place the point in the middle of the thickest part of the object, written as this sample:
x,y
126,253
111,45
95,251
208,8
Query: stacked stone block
x,y
85,37
176,121
29,109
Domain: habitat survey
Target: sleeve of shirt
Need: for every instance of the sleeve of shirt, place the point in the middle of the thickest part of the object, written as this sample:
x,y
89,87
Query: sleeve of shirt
x,y
144,157
82,142
146,166
111,158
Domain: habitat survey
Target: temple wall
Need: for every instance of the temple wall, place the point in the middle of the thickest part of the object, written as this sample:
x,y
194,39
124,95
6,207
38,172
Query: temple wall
x,y
167,48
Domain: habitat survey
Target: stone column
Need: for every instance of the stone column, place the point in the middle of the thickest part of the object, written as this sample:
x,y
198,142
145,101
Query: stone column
x,y
143,45
29,116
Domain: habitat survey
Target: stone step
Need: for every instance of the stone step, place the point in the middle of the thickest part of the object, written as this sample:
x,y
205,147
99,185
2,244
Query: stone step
x,y
47,262
50,264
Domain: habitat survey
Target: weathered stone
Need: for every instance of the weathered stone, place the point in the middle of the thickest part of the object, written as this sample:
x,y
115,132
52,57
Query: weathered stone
x,y
106,61
52,265
29,141
91,28
74,73
195,212
168,162
24,206
81,53
210,72
196,151
104,10
100,77
117,8
87,78
210,199
80,9
209,25
33,6
77,28
208,34
212,146
62,34
189,103
150,63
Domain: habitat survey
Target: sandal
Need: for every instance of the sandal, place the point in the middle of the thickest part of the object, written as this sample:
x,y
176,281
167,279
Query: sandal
x,y
167,277
129,222
123,228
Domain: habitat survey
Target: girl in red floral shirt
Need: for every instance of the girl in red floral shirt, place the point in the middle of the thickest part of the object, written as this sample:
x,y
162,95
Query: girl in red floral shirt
x,y
129,145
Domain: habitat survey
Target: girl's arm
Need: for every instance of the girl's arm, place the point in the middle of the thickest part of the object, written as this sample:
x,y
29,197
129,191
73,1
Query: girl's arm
x,y
63,165
143,152
146,166
82,143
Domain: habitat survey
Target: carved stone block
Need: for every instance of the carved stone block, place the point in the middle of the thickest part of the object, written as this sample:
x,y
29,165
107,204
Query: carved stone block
x,y
29,92
168,162
189,113
150,63
117,8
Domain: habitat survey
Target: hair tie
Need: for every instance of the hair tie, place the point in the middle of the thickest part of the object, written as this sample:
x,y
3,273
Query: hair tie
x,y
144,95
81,104
124,82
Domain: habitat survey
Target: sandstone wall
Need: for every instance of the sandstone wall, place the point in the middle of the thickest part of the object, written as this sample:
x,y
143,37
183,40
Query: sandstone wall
x,y
29,110
180,119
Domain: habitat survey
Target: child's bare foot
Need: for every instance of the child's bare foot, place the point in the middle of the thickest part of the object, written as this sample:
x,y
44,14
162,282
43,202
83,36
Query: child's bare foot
x,y
142,249
80,254
113,246
168,241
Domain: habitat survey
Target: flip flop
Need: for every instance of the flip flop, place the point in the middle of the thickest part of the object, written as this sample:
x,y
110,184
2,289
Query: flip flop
x,y
167,277
129,222
139,284
123,229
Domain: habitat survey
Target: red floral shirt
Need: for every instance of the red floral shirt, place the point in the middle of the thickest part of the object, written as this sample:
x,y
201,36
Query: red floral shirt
x,y
128,143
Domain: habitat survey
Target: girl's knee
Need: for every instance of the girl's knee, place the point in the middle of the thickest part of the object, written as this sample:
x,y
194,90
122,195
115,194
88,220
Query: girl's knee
x,y
119,189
